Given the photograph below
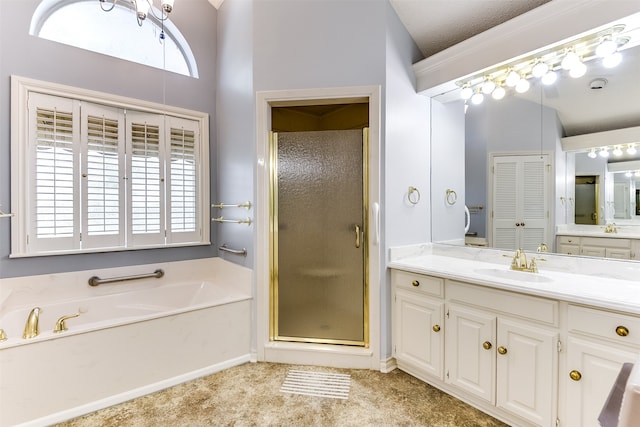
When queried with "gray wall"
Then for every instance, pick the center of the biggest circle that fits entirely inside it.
(290, 44)
(28, 56)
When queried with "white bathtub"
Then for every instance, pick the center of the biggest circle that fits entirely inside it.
(131, 338)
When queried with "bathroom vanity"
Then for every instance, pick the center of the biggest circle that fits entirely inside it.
(620, 242)
(532, 349)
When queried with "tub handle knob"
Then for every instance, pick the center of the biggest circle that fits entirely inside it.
(61, 326)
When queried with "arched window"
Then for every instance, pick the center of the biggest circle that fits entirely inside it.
(83, 24)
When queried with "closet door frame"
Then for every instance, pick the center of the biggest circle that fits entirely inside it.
(549, 195)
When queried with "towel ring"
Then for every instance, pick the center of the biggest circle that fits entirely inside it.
(451, 197)
(413, 195)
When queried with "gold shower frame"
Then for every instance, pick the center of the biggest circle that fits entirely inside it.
(273, 248)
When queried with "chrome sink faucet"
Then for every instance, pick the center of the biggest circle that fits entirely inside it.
(31, 327)
(519, 262)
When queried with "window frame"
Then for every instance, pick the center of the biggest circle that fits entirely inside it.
(46, 8)
(21, 157)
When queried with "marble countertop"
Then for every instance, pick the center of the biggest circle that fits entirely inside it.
(606, 284)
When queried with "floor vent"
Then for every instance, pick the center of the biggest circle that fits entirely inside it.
(319, 384)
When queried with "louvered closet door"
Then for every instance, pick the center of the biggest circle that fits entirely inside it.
(520, 201)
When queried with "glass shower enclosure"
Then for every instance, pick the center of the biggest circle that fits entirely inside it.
(318, 239)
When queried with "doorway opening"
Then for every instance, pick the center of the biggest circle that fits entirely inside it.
(587, 191)
(318, 217)
(275, 113)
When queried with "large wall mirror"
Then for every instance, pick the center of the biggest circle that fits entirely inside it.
(546, 144)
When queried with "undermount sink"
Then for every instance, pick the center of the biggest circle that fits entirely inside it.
(521, 276)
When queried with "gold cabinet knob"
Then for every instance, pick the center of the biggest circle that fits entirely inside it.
(436, 328)
(486, 345)
(415, 283)
(502, 350)
(575, 375)
(623, 331)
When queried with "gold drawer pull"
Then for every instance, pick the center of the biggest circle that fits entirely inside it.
(436, 328)
(486, 345)
(415, 283)
(502, 350)
(575, 375)
(622, 331)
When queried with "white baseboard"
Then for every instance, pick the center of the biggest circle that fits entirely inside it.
(387, 365)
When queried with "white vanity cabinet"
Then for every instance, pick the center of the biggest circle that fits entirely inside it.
(418, 323)
(598, 343)
(502, 347)
(605, 247)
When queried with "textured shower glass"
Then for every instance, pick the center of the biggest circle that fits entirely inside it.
(321, 288)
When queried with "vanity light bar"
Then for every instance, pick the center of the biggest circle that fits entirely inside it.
(570, 56)
(617, 150)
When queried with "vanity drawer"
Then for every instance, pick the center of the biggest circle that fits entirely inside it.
(568, 240)
(511, 303)
(606, 242)
(418, 282)
(621, 328)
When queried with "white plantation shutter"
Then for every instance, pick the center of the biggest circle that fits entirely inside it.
(94, 177)
(146, 164)
(102, 172)
(53, 136)
(183, 177)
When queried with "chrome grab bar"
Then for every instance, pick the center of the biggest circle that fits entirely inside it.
(224, 248)
(95, 280)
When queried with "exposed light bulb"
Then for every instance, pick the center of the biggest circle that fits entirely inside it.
(539, 70)
(604, 152)
(167, 5)
(617, 151)
(606, 48)
(488, 86)
(549, 78)
(512, 79)
(477, 98)
(142, 8)
(578, 70)
(466, 92)
(569, 60)
(612, 60)
(631, 149)
(523, 86)
(498, 93)
(592, 154)
(628, 174)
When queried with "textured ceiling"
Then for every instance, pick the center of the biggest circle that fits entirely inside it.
(438, 24)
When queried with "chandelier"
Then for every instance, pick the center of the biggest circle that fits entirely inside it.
(142, 8)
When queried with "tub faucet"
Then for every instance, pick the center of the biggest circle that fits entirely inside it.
(31, 327)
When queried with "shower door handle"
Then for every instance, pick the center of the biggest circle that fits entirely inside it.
(357, 236)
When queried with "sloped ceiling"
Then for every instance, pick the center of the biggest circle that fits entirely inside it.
(438, 24)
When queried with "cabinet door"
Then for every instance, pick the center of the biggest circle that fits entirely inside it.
(526, 366)
(618, 253)
(417, 332)
(595, 367)
(593, 251)
(470, 337)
